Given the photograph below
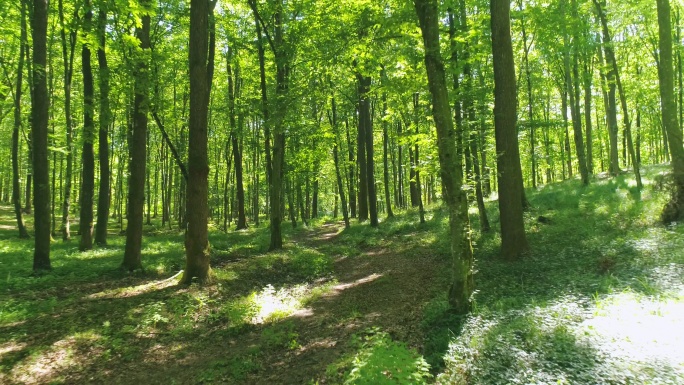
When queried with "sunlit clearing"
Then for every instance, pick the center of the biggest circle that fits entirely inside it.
(272, 304)
(132, 291)
(639, 331)
(620, 338)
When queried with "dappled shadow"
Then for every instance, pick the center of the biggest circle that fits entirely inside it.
(110, 327)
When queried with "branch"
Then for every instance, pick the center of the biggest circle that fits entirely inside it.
(252, 4)
(179, 162)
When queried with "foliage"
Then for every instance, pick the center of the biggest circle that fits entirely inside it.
(380, 360)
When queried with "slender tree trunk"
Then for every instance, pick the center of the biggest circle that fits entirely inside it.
(567, 157)
(16, 189)
(610, 79)
(233, 94)
(350, 165)
(196, 238)
(138, 155)
(87, 152)
(416, 159)
(587, 115)
(572, 86)
(338, 172)
(451, 164)
(530, 101)
(104, 193)
(385, 158)
(674, 209)
(68, 58)
(366, 122)
(39, 118)
(513, 238)
(612, 62)
(361, 160)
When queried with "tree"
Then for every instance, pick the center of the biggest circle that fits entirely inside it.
(196, 239)
(105, 116)
(39, 133)
(68, 60)
(16, 191)
(450, 163)
(138, 148)
(87, 153)
(674, 209)
(234, 90)
(612, 63)
(513, 239)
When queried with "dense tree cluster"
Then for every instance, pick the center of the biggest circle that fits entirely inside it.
(229, 113)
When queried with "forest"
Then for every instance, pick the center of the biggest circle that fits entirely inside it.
(341, 192)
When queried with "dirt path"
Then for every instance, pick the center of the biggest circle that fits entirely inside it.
(378, 288)
(383, 287)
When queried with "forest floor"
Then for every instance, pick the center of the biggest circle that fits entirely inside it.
(599, 299)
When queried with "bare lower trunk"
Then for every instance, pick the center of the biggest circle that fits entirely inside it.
(39, 118)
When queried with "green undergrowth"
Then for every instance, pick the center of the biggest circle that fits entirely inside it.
(377, 359)
(599, 299)
(581, 307)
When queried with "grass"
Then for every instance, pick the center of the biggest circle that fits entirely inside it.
(600, 299)
(581, 307)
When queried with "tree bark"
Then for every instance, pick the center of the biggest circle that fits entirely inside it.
(87, 152)
(16, 189)
(336, 157)
(138, 153)
(104, 193)
(385, 157)
(196, 238)
(366, 122)
(674, 209)
(513, 239)
(530, 101)
(450, 163)
(572, 87)
(610, 79)
(68, 58)
(361, 159)
(39, 116)
(612, 62)
(233, 94)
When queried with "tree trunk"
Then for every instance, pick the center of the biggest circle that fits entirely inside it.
(674, 209)
(68, 58)
(572, 86)
(513, 238)
(587, 115)
(450, 163)
(16, 189)
(385, 158)
(87, 153)
(336, 157)
(103, 199)
(278, 170)
(233, 93)
(611, 107)
(366, 121)
(350, 165)
(138, 155)
(612, 62)
(530, 101)
(196, 238)
(361, 159)
(416, 159)
(39, 119)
